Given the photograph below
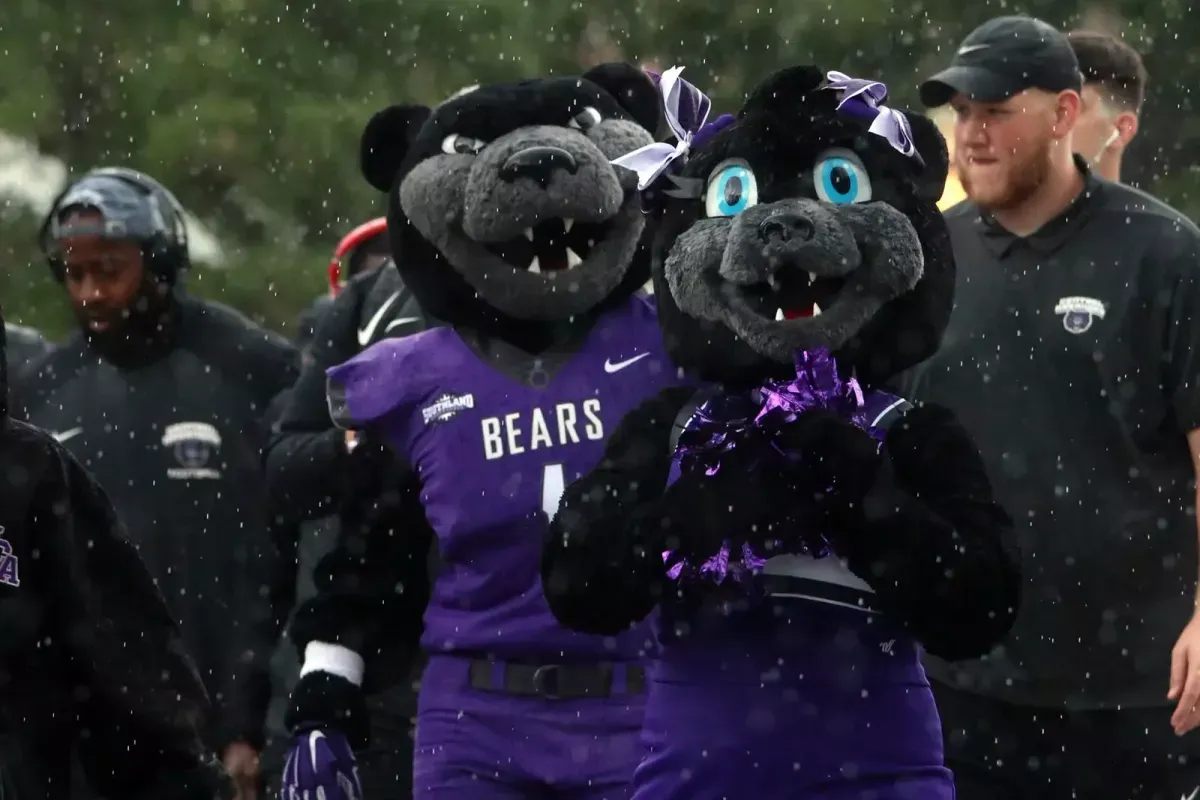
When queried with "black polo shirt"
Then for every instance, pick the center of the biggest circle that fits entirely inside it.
(1073, 357)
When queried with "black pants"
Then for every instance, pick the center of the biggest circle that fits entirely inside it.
(1006, 752)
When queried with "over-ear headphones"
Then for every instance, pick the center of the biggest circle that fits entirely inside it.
(366, 231)
(162, 234)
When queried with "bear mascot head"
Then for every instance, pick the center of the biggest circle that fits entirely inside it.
(511, 218)
(800, 265)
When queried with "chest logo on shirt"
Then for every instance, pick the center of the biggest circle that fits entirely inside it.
(194, 445)
(1079, 313)
(537, 429)
(10, 565)
(447, 407)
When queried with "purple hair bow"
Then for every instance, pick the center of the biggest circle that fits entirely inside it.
(686, 109)
(863, 100)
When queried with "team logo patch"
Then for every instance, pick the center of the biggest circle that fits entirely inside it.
(1079, 313)
(10, 565)
(447, 406)
(194, 444)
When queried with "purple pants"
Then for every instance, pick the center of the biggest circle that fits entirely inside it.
(836, 707)
(479, 745)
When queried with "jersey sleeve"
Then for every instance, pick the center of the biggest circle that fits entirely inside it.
(374, 385)
(144, 707)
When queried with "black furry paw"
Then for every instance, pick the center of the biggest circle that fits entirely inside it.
(325, 700)
(832, 458)
(746, 499)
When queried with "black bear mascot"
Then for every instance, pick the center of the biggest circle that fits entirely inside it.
(800, 533)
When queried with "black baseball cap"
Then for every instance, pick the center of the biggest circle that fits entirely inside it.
(1005, 56)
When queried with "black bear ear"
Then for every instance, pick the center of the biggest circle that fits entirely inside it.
(386, 141)
(797, 90)
(931, 181)
(632, 88)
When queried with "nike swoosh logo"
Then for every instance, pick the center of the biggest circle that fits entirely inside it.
(365, 334)
(610, 367)
(313, 738)
(63, 436)
(1195, 793)
(401, 321)
(971, 48)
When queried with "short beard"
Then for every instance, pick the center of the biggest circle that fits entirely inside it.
(1024, 180)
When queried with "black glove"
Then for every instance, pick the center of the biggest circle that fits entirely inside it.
(322, 700)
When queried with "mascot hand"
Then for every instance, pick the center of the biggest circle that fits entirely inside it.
(327, 702)
(320, 766)
(699, 512)
(835, 459)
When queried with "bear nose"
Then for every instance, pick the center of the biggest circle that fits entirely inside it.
(538, 164)
(785, 227)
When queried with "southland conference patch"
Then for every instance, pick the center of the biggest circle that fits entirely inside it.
(1079, 313)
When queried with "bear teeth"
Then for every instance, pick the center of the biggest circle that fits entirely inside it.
(816, 310)
(567, 223)
(779, 317)
(573, 259)
(529, 235)
(534, 266)
(811, 279)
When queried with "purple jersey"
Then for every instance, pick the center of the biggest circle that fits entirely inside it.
(494, 448)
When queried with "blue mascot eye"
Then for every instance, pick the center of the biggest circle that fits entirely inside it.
(731, 190)
(841, 181)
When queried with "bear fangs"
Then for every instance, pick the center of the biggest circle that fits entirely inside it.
(781, 317)
(573, 260)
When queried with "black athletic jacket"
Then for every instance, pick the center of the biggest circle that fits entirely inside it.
(176, 439)
(307, 454)
(89, 654)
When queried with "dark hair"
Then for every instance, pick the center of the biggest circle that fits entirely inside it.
(375, 246)
(1107, 60)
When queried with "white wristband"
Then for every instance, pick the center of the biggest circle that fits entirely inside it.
(334, 659)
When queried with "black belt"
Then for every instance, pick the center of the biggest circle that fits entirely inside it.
(553, 681)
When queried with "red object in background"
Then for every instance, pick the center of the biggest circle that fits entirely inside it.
(368, 230)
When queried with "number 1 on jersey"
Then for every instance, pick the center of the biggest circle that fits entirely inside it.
(554, 483)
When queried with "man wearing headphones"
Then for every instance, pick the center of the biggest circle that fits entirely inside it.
(166, 398)
(1114, 88)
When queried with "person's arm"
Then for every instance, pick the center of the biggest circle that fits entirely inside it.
(1180, 336)
(307, 454)
(372, 590)
(602, 567)
(141, 704)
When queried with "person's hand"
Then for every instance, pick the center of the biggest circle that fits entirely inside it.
(1185, 678)
(241, 761)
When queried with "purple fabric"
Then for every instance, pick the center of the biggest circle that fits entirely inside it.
(686, 110)
(863, 100)
(320, 766)
(479, 745)
(494, 454)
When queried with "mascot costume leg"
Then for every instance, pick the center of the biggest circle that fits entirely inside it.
(523, 238)
(802, 532)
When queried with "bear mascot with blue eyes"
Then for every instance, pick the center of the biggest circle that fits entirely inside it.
(799, 533)
(525, 245)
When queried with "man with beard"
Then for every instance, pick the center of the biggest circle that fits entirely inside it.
(164, 397)
(1072, 357)
(1114, 88)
